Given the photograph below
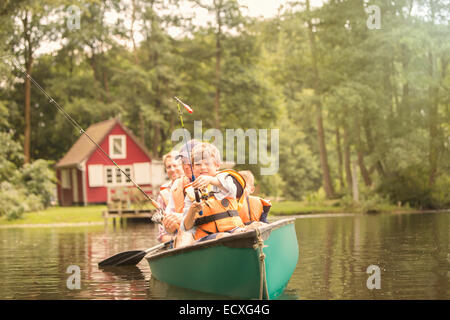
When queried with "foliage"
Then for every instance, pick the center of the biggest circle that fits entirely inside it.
(10, 156)
(39, 180)
(440, 194)
(12, 204)
(26, 188)
(377, 98)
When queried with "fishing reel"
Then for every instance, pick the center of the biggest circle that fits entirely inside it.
(201, 194)
(158, 216)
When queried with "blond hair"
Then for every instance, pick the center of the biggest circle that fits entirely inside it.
(205, 150)
(248, 177)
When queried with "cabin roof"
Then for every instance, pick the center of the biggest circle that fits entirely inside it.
(83, 147)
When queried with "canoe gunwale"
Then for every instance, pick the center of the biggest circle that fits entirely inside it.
(239, 240)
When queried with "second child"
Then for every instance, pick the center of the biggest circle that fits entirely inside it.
(217, 215)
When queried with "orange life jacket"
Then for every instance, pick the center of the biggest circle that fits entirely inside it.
(254, 209)
(178, 193)
(223, 215)
(164, 191)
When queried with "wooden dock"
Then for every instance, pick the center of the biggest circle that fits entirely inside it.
(127, 213)
(126, 202)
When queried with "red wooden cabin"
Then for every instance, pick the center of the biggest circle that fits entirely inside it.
(87, 176)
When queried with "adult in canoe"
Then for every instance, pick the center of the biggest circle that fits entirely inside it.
(172, 165)
(173, 212)
(174, 170)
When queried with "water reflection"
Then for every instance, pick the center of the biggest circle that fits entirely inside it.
(411, 250)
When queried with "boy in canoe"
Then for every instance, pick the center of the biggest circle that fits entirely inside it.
(216, 215)
(253, 208)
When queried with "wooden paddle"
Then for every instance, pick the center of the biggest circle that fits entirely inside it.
(128, 258)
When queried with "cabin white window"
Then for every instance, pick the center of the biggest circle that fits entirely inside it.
(65, 179)
(115, 177)
(95, 174)
(109, 175)
(117, 146)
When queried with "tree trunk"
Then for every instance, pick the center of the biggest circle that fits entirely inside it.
(218, 71)
(433, 148)
(156, 139)
(405, 103)
(360, 153)
(28, 55)
(340, 160)
(27, 114)
(364, 172)
(347, 160)
(106, 85)
(371, 145)
(133, 20)
(355, 188)
(142, 130)
(326, 177)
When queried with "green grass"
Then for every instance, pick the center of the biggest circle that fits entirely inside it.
(328, 206)
(94, 213)
(59, 215)
(300, 207)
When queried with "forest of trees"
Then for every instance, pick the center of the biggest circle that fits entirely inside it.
(353, 103)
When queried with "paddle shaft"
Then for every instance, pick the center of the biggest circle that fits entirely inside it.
(132, 257)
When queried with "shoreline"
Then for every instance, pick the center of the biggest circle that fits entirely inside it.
(52, 225)
(360, 213)
(271, 217)
(353, 214)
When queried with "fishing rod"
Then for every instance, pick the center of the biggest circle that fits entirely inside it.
(180, 113)
(82, 131)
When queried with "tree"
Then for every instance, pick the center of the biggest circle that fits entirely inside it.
(227, 17)
(30, 31)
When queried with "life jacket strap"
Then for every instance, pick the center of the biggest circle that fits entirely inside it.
(217, 216)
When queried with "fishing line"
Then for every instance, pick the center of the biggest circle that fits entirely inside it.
(82, 131)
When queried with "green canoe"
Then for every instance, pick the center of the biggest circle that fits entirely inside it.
(234, 266)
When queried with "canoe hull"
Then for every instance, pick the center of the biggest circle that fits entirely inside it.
(231, 266)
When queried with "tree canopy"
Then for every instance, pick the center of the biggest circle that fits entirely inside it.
(345, 93)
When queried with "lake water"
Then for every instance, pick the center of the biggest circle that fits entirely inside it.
(411, 251)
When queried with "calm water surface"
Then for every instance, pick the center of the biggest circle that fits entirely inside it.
(412, 251)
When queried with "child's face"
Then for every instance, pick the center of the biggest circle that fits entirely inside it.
(206, 167)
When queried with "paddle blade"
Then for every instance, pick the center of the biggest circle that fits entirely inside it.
(126, 258)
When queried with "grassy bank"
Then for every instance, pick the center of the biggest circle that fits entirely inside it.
(59, 215)
(332, 206)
